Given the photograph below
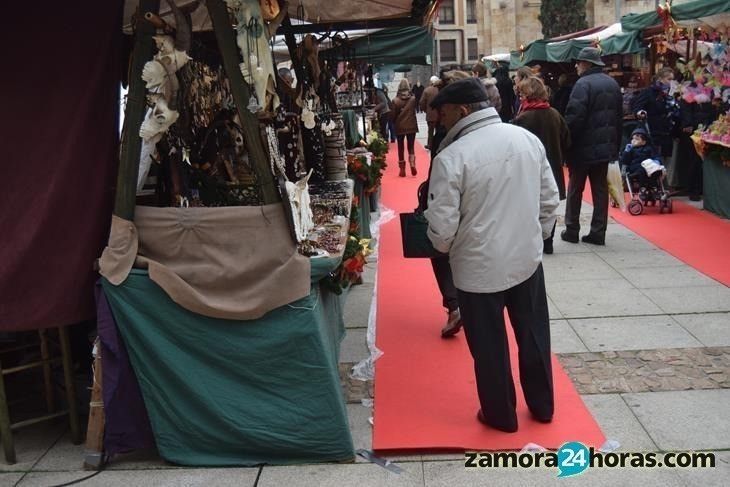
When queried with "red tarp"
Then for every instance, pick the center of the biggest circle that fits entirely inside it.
(59, 98)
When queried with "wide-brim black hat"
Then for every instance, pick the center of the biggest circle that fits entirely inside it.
(461, 92)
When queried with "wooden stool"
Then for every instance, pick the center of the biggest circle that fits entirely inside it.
(6, 427)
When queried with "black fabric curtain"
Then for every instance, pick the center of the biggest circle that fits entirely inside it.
(59, 111)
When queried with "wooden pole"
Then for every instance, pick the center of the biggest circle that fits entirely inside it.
(68, 378)
(6, 432)
(142, 52)
(47, 376)
(291, 44)
(241, 93)
(95, 428)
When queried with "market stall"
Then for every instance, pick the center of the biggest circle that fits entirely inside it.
(228, 293)
(698, 35)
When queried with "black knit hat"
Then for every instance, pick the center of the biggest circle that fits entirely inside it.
(461, 92)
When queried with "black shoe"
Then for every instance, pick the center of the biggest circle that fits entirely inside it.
(593, 239)
(568, 237)
(547, 246)
(506, 429)
(542, 419)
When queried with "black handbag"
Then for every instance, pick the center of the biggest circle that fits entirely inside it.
(416, 243)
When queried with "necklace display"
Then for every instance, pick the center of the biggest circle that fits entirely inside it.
(278, 165)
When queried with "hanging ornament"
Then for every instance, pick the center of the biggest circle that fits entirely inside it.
(665, 15)
(253, 103)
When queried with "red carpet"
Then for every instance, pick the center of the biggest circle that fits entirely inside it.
(425, 392)
(696, 237)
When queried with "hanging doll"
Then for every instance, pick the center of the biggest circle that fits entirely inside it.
(161, 78)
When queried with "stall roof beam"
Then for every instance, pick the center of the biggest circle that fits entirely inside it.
(348, 25)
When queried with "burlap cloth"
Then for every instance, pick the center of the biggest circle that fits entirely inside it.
(232, 262)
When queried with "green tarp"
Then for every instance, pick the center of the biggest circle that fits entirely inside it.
(406, 45)
(567, 51)
(224, 393)
(680, 11)
(716, 182)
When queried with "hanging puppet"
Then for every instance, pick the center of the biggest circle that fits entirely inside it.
(161, 79)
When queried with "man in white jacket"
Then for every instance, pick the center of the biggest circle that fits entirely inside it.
(492, 201)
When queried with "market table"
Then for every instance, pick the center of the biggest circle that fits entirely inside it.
(716, 185)
(224, 392)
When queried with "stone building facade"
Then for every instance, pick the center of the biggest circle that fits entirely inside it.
(467, 29)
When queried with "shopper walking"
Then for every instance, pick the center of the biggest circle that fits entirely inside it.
(548, 125)
(432, 116)
(406, 126)
(594, 116)
(491, 217)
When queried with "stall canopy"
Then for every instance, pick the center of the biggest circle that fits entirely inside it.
(709, 12)
(612, 40)
(404, 45)
(318, 16)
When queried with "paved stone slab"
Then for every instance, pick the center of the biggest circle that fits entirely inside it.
(354, 346)
(560, 247)
(453, 473)
(709, 477)
(666, 277)
(619, 241)
(618, 422)
(597, 298)
(357, 305)
(576, 267)
(630, 259)
(698, 299)
(362, 433)
(563, 338)
(673, 369)
(31, 443)
(684, 420)
(553, 310)
(352, 475)
(203, 477)
(65, 456)
(712, 329)
(10, 478)
(632, 333)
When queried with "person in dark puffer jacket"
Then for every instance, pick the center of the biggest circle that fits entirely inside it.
(594, 116)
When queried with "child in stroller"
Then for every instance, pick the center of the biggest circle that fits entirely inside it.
(644, 176)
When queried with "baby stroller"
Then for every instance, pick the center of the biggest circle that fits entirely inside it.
(647, 191)
(643, 174)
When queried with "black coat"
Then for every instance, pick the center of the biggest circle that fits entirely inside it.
(548, 125)
(594, 116)
(633, 158)
(506, 94)
(658, 115)
(560, 99)
(695, 114)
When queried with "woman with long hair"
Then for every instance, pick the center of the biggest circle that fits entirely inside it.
(406, 126)
(537, 116)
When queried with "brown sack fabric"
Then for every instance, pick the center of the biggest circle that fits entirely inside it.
(230, 262)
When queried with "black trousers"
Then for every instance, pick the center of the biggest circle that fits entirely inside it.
(596, 173)
(445, 281)
(484, 326)
(411, 138)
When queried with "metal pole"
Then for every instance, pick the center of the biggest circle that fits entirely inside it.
(618, 10)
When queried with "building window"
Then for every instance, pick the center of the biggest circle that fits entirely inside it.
(446, 12)
(472, 48)
(471, 11)
(447, 50)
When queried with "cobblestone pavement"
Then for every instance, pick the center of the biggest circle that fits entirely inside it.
(676, 369)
